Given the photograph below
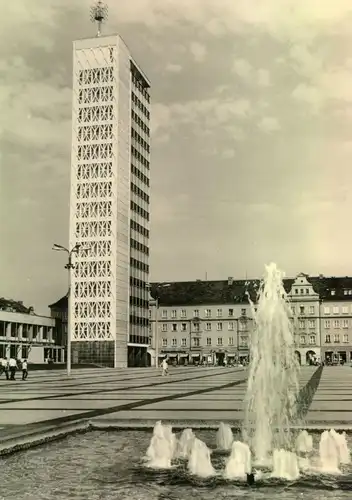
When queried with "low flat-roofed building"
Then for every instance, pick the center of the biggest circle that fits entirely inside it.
(26, 335)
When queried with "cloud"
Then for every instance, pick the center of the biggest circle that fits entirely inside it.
(173, 68)
(306, 62)
(161, 117)
(337, 83)
(227, 154)
(198, 51)
(242, 68)
(263, 77)
(203, 115)
(310, 95)
(263, 66)
(269, 124)
(291, 19)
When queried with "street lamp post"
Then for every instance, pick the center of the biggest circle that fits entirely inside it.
(69, 266)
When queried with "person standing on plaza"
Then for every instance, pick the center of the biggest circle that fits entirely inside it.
(164, 367)
(24, 369)
(12, 368)
(5, 367)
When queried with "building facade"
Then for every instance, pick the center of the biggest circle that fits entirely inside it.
(336, 320)
(25, 335)
(305, 306)
(59, 311)
(212, 320)
(197, 322)
(109, 204)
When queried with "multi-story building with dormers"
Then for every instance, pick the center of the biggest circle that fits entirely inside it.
(305, 305)
(201, 321)
(212, 320)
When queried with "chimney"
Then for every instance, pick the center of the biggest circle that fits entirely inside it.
(230, 280)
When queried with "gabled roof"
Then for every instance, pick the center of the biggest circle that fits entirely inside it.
(207, 292)
(60, 304)
(338, 285)
(9, 304)
(192, 293)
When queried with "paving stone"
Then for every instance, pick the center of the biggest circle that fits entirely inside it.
(142, 394)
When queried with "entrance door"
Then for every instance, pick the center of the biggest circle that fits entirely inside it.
(342, 357)
(220, 357)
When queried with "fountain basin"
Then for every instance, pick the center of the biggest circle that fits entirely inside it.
(109, 465)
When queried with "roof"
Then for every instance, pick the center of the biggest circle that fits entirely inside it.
(188, 293)
(13, 305)
(339, 285)
(192, 293)
(61, 303)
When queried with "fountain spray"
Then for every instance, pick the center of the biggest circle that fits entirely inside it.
(273, 385)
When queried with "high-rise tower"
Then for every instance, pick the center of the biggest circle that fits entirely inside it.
(109, 203)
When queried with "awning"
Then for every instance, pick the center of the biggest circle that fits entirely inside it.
(172, 355)
(195, 355)
(183, 355)
(231, 355)
(162, 355)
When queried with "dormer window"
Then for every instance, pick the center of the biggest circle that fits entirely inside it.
(296, 290)
(307, 291)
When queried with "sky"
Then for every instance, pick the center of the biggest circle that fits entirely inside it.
(251, 142)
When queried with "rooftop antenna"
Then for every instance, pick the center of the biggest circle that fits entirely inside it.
(99, 14)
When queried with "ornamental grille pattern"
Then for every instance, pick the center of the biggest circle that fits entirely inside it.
(93, 199)
(92, 330)
(94, 190)
(88, 289)
(94, 210)
(95, 171)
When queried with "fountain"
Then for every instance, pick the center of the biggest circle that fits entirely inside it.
(162, 447)
(285, 465)
(270, 409)
(341, 444)
(185, 443)
(199, 462)
(272, 388)
(329, 454)
(304, 443)
(224, 437)
(239, 463)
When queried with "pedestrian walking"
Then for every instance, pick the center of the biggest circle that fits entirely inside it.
(12, 368)
(164, 367)
(24, 369)
(5, 367)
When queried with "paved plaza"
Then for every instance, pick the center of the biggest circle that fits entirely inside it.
(187, 394)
